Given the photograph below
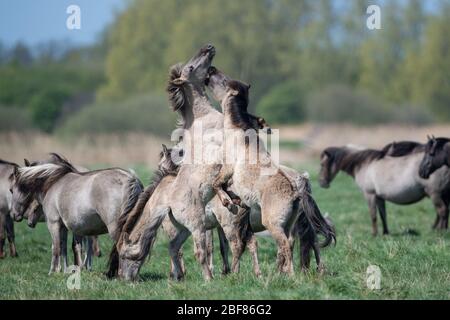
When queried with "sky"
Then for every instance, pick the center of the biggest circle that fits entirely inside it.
(37, 21)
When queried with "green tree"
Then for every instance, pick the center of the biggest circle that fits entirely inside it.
(431, 85)
(283, 104)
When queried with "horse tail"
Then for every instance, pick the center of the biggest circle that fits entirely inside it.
(318, 223)
(321, 225)
(134, 190)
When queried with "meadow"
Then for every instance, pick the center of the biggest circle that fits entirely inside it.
(414, 261)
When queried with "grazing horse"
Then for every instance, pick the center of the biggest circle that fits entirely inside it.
(390, 174)
(87, 203)
(275, 195)
(6, 221)
(437, 155)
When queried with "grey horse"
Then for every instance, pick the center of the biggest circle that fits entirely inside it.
(88, 204)
(390, 174)
(6, 221)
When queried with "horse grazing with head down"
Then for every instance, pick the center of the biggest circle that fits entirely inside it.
(390, 174)
(87, 203)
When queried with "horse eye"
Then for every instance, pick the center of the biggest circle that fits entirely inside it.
(191, 68)
(10, 190)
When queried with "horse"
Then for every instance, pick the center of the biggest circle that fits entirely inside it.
(390, 174)
(437, 155)
(87, 203)
(6, 221)
(277, 196)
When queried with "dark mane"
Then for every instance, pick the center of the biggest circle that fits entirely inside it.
(402, 148)
(238, 104)
(9, 163)
(177, 94)
(127, 223)
(440, 142)
(350, 161)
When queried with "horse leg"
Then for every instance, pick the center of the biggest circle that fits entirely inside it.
(284, 254)
(63, 246)
(89, 252)
(210, 249)
(76, 245)
(200, 245)
(442, 211)
(10, 233)
(2, 232)
(252, 245)
(371, 201)
(96, 247)
(381, 204)
(178, 271)
(224, 248)
(55, 228)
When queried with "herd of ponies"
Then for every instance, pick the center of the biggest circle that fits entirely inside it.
(238, 198)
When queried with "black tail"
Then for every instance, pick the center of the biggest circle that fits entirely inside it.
(135, 188)
(320, 224)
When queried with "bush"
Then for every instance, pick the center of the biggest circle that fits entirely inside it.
(283, 104)
(342, 104)
(149, 113)
(46, 107)
(14, 119)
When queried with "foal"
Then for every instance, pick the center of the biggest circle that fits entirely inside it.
(88, 204)
(383, 177)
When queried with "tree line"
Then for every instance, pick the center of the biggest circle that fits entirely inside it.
(307, 60)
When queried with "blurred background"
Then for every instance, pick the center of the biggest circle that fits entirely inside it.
(97, 94)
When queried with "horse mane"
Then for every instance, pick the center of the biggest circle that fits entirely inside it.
(349, 160)
(402, 148)
(127, 223)
(238, 104)
(4, 162)
(177, 94)
(41, 177)
(440, 142)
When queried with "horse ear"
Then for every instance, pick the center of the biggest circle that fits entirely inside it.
(26, 162)
(234, 93)
(164, 148)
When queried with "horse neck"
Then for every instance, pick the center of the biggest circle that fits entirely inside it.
(199, 105)
(343, 163)
(236, 137)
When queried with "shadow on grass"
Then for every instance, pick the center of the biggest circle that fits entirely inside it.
(152, 276)
(406, 232)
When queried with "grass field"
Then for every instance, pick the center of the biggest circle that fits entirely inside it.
(414, 265)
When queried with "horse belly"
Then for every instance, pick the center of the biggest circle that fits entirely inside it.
(402, 194)
(87, 223)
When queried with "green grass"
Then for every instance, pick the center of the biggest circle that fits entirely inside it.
(413, 267)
